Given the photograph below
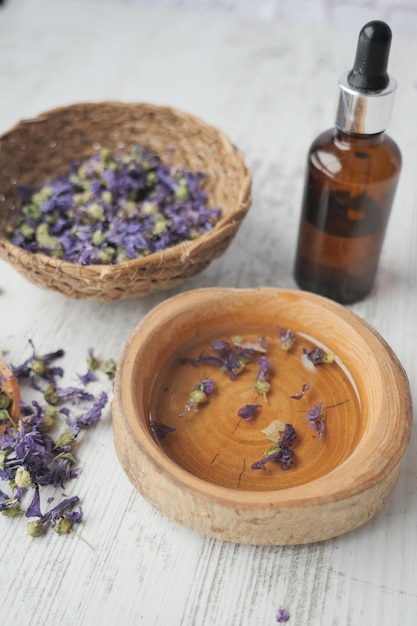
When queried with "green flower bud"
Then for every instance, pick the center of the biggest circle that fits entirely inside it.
(107, 197)
(43, 237)
(262, 387)
(96, 212)
(5, 401)
(181, 192)
(197, 396)
(43, 194)
(38, 367)
(49, 417)
(150, 208)
(98, 237)
(27, 231)
(34, 528)
(5, 416)
(12, 511)
(63, 526)
(65, 439)
(109, 367)
(93, 362)
(51, 395)
(32, 211)
(22, 478)
(3, 455)
(160, 225)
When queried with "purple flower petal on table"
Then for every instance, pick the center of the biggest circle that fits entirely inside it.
(91, 415)
(282, 615)
(88, 377)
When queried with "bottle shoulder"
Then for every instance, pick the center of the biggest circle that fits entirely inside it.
(333, 151)
(334, 140)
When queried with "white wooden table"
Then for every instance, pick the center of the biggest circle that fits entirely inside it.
(271, 88)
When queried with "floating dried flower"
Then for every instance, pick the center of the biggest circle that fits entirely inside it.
(261, 385)
(231, 358)
(160, 430)
(316, 418)
(304, 389)
(282, 452)
(317, 356)
(247, 411)
(286, 339)
(199, 394)
(258, 346)
(274, 430)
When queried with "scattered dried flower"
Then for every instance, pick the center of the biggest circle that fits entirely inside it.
(30, 457)
(282, 615)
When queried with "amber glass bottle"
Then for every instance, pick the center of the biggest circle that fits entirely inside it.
(352, 175)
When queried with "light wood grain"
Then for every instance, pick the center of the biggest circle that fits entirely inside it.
(270, 88)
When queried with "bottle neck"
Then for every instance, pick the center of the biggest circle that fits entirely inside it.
(364, 112)
(342, 138)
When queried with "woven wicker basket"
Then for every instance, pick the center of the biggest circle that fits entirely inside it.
(38, 149)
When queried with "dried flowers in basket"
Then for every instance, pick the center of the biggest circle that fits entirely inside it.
(45, 148)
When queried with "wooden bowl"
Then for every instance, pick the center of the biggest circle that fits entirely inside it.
(200, 475)
(39, 149)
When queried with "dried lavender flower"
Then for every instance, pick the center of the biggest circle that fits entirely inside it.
(317, 356)
(282, 452)
(30, 458)
(316, 419)
(231, 358)
(199, 394)
(248, 411)
(113, 207)
(160, 430)
(304, 389)
(261, 385)
(286, 339)
(282, 615)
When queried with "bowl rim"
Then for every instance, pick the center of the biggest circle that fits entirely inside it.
(376, 455)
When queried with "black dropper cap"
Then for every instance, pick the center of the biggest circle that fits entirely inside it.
(369, 71)
(367, 91)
